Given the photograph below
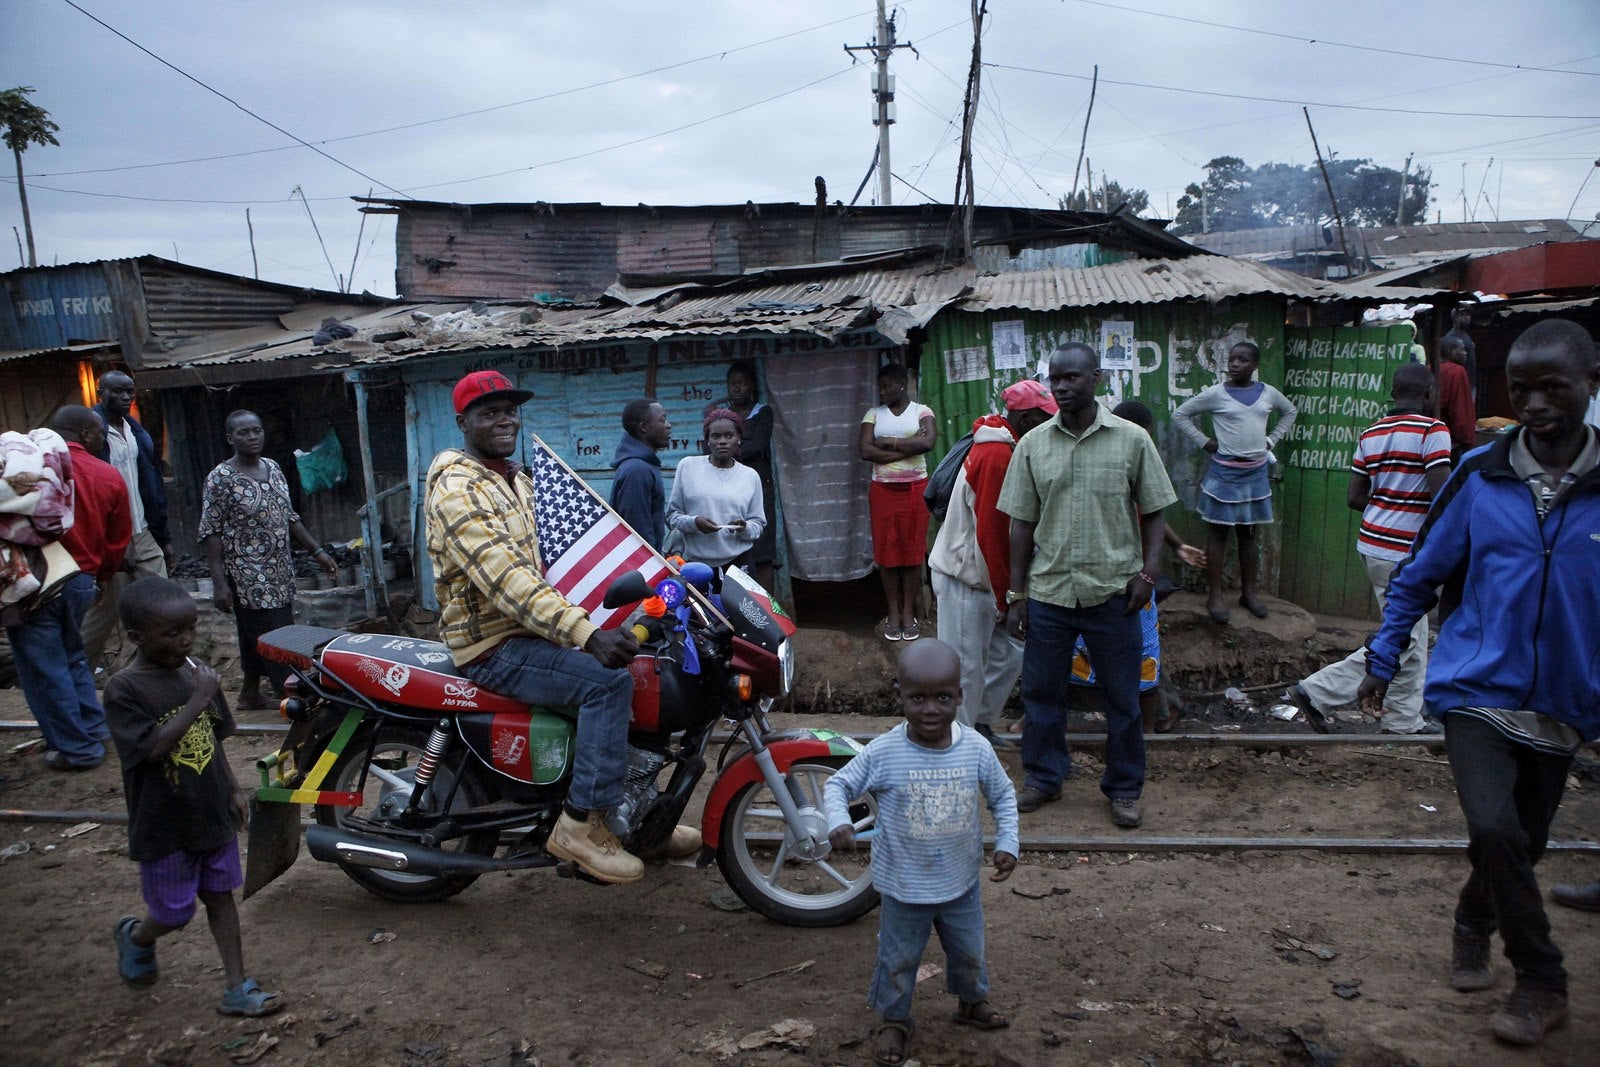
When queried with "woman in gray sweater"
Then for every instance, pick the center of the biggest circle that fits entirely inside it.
(716, 500)
(1235, 492)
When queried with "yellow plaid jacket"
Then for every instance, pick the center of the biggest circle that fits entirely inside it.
(485, 553)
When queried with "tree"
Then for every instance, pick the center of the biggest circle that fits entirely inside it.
(1236, 196)
(25, 124)
(1107, 196)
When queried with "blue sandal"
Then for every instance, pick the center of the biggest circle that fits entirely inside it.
(247, 998)
(135, 963)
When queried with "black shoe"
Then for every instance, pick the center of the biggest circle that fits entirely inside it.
(1322, 724)
(58, 762)
(1031, 798)
(985, 731)
(1582, 897)
(1469, 960)
(1527, 1014)
(1125, 812)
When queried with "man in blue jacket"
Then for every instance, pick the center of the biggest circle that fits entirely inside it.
(1514, 675)
(130, 449)
(639, 492)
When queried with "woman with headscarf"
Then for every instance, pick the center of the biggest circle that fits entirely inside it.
(716, 500)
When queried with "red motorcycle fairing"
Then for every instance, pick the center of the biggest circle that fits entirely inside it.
(742, 771)
(410, 672)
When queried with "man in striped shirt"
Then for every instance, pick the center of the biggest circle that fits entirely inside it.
(1401, 461)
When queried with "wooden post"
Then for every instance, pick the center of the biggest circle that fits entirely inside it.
(372, 527)
(1349, 269)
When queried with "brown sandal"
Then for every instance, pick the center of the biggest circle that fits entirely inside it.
(975, 1015)
(891, 1057)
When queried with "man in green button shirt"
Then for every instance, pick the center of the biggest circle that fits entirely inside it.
(1085, 492)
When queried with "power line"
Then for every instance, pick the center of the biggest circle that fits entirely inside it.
(1405, 53)
(1286, 100)
(468, 114)
(479, 177)
(638, 140)
(231, 100)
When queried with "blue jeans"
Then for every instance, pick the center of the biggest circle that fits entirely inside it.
(903, 934)
(1115, 646)
(54, 671)
(1509, 793)
(537, 672)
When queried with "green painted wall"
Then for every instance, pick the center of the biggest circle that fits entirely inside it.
(1338, 378)
(1180, 349)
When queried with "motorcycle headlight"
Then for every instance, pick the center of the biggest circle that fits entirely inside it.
(786, 663)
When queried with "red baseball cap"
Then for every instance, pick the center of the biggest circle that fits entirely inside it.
(483, 384)
(1027, 394)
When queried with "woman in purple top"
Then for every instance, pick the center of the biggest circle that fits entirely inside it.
(1235, 492)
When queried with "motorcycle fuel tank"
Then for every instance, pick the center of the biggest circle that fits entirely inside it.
(531, 746)
(409, 672)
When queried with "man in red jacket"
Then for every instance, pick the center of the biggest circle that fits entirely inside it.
(50, 659)
(971, 559)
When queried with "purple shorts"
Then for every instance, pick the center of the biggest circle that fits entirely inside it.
(171, 884)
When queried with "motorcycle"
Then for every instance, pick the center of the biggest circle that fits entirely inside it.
(422, 781)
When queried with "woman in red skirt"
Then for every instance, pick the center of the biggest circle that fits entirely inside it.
(895, 438)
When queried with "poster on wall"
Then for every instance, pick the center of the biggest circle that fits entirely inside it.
(966, 364)
(1010, 343)
(1116, 345)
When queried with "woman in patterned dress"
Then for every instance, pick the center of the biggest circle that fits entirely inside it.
(246, 520)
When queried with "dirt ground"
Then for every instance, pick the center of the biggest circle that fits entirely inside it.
(1126, 957)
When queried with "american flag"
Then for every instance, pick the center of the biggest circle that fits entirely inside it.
(586, 546)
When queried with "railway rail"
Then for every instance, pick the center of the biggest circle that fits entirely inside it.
(1121, 843)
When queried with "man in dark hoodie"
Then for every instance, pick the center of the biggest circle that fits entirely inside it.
(639, 492)
(129, 448)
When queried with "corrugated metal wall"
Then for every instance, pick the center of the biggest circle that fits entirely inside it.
(49, 308)
(1181, 349)
(1338, 378)
(450, 251)
(179, 305)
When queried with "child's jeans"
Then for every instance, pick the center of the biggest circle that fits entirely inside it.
(903, 934)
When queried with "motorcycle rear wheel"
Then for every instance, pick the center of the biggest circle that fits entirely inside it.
(757, 858)
(391, 771)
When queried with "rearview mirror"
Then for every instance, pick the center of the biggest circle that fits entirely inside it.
(629, 589)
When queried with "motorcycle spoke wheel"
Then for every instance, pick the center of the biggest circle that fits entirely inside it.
(390, 773)
(766, 866)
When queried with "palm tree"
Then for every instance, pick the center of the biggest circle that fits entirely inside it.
(25, 124)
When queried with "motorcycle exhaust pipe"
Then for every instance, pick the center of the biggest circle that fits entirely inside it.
(333, 845)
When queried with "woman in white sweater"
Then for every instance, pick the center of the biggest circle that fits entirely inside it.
(716, 500)
(1235, 492)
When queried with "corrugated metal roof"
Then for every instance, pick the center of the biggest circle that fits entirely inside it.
(1144, 281)
(1391, 245)
(6, 356)
(823, 300)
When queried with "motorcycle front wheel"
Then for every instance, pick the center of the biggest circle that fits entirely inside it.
(758, 857)
(391, 770)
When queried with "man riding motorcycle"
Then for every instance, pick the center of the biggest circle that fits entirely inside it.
(509, 631)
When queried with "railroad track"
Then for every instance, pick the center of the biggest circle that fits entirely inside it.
(1120, 843)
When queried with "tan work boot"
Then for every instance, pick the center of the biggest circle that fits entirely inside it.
(685, 841)
(593, 847)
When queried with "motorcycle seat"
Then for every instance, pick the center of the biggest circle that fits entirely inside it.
(410, 672)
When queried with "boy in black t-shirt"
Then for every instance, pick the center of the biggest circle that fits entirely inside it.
(168, 719)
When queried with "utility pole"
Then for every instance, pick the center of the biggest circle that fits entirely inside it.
(1348, 266)
(1400, 211)
(882, 47)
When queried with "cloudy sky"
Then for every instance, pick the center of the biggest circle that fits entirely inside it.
(723, 101)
